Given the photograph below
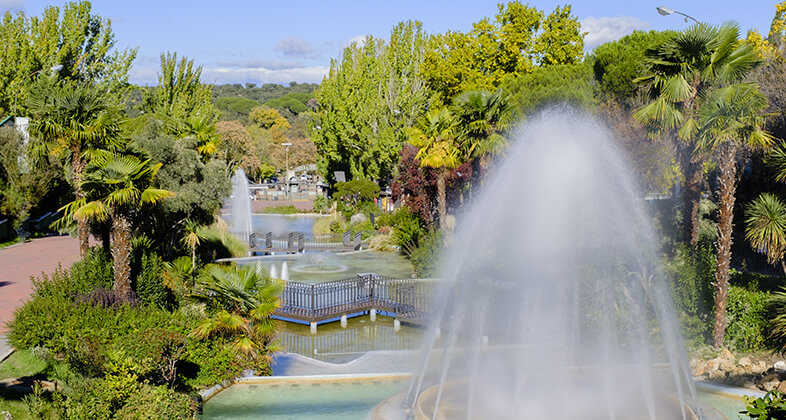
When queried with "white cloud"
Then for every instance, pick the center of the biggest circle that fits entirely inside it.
(605, 29)
(295, 48)
(268, 64)
(220, 75)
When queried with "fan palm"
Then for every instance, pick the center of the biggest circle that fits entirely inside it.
(70, 120)
(732, 119)
(682, 71)
(115, 183)
(244, 298)
(436, 134)
(765, 227)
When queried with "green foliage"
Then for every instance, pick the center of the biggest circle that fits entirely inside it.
(746, 316)
(235, 106)
(383, 243)
(261, 94)
(91, 272)
(218, 243)
(771, 406)
(334, 223)
(322, 204)
(512, 44)
(356, 191)
(150, 288)
(778, 321)
(427, 256)
(617, 64)
(289, 209)
(164, 402)
(77, 39)
(369, 99)
(691, 273)
(180, 94)
(565, 83)
(407, 230)
(293, 102)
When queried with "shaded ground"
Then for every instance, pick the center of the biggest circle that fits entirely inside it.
(19, 262)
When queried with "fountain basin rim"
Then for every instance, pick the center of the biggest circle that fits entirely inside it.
(727, 391)
(211, 392)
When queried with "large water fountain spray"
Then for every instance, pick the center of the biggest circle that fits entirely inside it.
(553, 304)
(240, 210)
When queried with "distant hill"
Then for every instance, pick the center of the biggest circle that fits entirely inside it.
(236, 100)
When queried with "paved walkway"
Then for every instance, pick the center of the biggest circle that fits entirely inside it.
(19, 262)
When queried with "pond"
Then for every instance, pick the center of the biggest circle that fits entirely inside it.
(328, 398)
(318, 267)
(280, 225)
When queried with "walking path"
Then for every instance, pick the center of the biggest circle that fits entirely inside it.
(19, 262)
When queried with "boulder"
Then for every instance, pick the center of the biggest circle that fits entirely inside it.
(718, 375)
(745, 362)
(726, 354)
(780, 365)
(357, 218)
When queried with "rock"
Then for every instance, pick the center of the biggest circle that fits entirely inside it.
(699, 368)
(782, 387)
(726, 354)
(718, 375)
(759, 367)
(721, 363)
(358, 218)
(780, 365)
(745, 362)
(768, 382)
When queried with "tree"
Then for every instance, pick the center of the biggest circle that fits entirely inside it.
(76, 39)
(70, 121)
(192, 239)
(183, 102)
(237, 147)
(243, 298)
(513, 44)
(570, 84)
(435, 135)
(367, 102)
(482, 117)
(116, 183)
(765, 227)
(356, 191)
(683, 70)
(731, 120)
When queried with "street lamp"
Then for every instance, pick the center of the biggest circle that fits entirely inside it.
(287, 172)
(665, 11)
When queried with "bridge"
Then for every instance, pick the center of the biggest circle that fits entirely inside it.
(296, 243)
(405, 299)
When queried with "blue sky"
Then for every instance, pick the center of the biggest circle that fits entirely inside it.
(282, 41)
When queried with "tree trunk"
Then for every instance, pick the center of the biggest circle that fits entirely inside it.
(442, 205)
(83, 231)
(121, 254)
(727, 180)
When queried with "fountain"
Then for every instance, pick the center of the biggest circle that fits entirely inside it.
(553, 303)
(240, 207)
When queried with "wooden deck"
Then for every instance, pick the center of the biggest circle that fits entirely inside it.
(406, 299)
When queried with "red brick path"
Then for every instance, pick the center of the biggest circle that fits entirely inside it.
(19, 262)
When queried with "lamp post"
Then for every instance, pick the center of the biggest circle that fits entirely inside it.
(665, 11)
(54, 69)
(287, 172)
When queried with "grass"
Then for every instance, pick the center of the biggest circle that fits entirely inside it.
(9, 243)
(290, 209)
(22, 363)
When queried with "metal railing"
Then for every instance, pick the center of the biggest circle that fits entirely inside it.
(406, 298)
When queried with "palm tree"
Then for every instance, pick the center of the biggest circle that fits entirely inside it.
(435, 134)
(71, 120)
(191, 239)
(244, 298)
(732, 119)
(765, 227)
(682, 71)
(116, 183)
(483, 116)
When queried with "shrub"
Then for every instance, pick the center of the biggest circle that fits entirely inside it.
(746, 317)
(408, 233)
(95, 270)
(426, 257)
(150, 288)
(382, 242)
(218, 243)
(691, 273)
(771, 405)
(330, 225)
(156, 402)
(322, 205)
